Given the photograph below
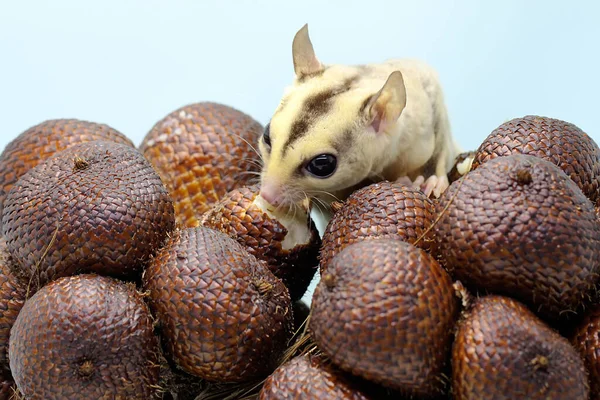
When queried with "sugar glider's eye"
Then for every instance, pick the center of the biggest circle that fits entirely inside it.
(267, 135)
(322, 166)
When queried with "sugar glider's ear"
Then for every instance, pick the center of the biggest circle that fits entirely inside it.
(305, 60)
(385, 106)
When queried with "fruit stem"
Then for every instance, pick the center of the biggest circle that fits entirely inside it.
(540, 362)
(328, 280)
(262, 286)
(524, 177)
(80, 164)
(86, 368)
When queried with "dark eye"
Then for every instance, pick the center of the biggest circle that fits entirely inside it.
(322, 166)
(267, 135)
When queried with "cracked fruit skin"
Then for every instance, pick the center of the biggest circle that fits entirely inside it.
(560, 142)
(94, 207)
(519, 226)
(503, 351)
(223, 316)
(45, 139)
(376, 297)
(202, 151)
(86, 337)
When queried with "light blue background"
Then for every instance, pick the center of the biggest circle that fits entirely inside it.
(129, 63)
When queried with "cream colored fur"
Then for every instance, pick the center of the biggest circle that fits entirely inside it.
(401, 148)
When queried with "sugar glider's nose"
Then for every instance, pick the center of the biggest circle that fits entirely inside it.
(271, 192)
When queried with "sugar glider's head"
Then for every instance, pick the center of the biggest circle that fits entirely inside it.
(329, 129)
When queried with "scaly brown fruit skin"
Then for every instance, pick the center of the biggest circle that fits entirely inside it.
(308, 377)
(12, 297)
(519, 226)
(202, 151)
(223, 315)
(385, 310)
(555, 140)
(94, 207)
(586, 339)
(263, 237)
(503, 351)
(380, 210)
(46, 139)
(86, 337)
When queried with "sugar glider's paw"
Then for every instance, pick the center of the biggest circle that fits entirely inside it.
(405, 180)
(418, 183)
(435, 185)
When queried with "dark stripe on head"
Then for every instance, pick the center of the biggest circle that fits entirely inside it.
(315, 107)
(299, 127)
(319, 104)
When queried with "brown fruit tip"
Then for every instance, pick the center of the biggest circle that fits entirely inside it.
(262, 286)
(524, 177)
(540, 362)
(328, 280)
(79, 164)
(86, 369)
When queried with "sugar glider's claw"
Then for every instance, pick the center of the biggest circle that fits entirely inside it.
(435, 185)
(441, 186)
(418, 182)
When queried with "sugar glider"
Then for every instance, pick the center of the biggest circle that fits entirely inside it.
(340, 127)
